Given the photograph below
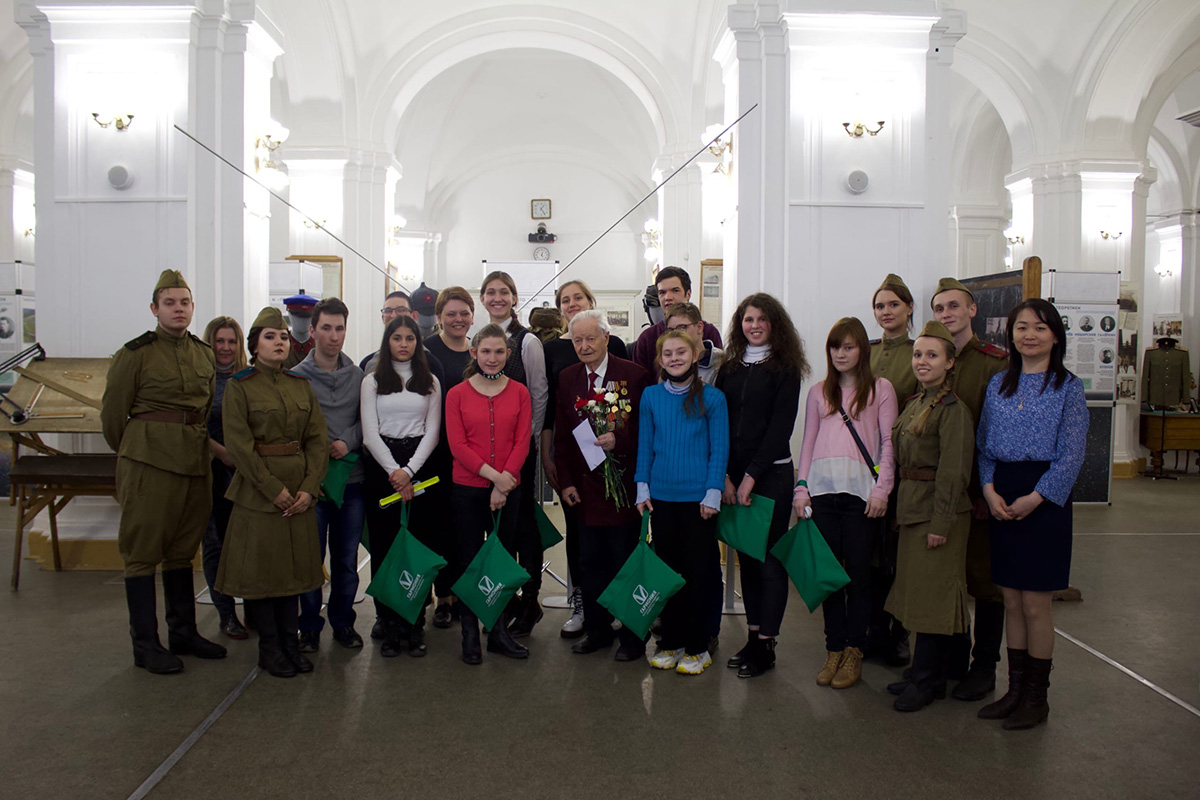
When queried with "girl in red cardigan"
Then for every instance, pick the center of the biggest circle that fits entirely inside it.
(489, 426)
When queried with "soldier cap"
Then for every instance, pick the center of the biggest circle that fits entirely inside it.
(946, 284)
(937, 330)
(170, 279)
(270, 317)
(891, 280)
(300, 304)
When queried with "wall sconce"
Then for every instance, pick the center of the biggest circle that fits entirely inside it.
(265, 145)
(1014, 237)
(721, 147)
(119, 121)
(1111, 235)
(315, 225)
(1163, 272)
(856, 129)
(652, 240)
(30, 232)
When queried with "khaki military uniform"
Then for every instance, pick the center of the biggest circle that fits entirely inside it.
(297, 351)
(1166, 377)
(892, 359)
(163, 465)
(973, 369)
(930, 591)
(267, 554)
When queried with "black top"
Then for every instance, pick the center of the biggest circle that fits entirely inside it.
(560, 354)
(454, 363)
(216, 426)
(762, 404)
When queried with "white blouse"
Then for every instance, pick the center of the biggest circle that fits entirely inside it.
(400, 415)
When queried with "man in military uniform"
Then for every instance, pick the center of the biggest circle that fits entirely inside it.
(977, 361)
(154, 414)
(299, 310)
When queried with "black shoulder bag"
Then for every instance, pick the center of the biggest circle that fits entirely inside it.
(862, 448)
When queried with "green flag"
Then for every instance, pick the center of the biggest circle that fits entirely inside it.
(812, 566)
(490, 580)
(745, 528)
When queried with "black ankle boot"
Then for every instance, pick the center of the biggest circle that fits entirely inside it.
(928, 683)
(529, 614)
(270, 652)
(287, 616)
(393, 642)
(1033, 707)
(501, 641)
(148, 652)
(182, 636)
(760, 659)
(737, 659)
(1006, 705)
(471, 651)
(416, 637)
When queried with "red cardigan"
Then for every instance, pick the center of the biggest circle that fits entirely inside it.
(488, 430)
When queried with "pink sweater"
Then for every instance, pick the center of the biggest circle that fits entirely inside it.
(830, 461)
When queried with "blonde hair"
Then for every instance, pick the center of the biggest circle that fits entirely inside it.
(918, 426)
(693, 404)
(210, 336)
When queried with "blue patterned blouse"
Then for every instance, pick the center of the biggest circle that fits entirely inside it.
(1035, 425)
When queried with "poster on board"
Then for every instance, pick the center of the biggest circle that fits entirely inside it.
(1092, 345)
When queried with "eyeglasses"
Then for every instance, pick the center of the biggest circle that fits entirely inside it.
(682, 327)
(391, 312)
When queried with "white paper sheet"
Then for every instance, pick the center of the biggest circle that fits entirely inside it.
(593, 453)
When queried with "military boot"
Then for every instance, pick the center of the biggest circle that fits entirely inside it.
(182, 636)
(148, 652)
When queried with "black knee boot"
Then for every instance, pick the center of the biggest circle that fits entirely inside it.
(270, 651)
(182, 636)
(1005, 706)
(501, 641)
(930, 662)
(989, 633)
(287, 617)
(471, 651)
(148, 652)
(1033, 707)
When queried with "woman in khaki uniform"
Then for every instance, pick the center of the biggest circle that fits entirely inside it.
(276, 434)
(933, 440)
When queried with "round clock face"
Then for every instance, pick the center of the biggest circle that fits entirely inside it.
(541, 254)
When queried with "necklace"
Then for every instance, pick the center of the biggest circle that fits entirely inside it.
(491, 377)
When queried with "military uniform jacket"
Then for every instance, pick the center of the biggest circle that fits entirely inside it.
(1166, 377)
(273, 406)
(946, 446)
(974, 367)
(892, 359)
(160, 372)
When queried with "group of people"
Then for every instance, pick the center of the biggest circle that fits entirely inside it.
(926, 474)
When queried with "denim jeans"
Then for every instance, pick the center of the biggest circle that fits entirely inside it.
(340, 530)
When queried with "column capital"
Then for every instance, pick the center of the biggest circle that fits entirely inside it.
(945, 35)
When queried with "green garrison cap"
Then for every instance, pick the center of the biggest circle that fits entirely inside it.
(270, 317)
(170, 279)
(937, 330)
(892, 279)
(946, 284)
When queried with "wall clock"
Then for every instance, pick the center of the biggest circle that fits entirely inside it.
(539, 209)
(541, 254)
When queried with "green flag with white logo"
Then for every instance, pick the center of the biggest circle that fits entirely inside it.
(642, 587)
(490, 580)
(404, 579)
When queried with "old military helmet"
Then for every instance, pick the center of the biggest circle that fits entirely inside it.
(169, 279)
(946, 284)
(270, 317)
(937, 330)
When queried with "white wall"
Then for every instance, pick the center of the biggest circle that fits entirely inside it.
(489, 219)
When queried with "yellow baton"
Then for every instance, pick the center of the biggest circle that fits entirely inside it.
(418, 489)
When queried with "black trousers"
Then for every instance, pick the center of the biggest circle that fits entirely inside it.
(528, 541)
(765, 583)
(604, 549)
(931, 658)
(384, 523)
(574, 567)
(214, 536)
(437, 497)
(688, 543)
(471, 516)
(851, 535)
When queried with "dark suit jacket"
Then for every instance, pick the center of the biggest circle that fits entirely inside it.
(597, 510)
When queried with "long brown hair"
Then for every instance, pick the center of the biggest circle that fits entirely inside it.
(693, 404)
(507, 280)
(918, 426)
(864, 388)
(583, 287)
(787, 349)
(210, 336)
(489, 331)
(901, 291)
(387, 380)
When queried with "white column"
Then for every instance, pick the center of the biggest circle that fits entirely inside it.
(980, 246)
(679, 211)
(367, 209)
(943, 38)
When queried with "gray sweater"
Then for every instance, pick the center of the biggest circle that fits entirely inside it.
(337, 392)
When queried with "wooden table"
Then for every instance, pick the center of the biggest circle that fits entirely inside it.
(73, 388)
(1168, 431)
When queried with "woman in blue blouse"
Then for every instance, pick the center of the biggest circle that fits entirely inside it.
(1031, 438)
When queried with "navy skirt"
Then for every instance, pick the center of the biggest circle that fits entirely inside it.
(1031, 554)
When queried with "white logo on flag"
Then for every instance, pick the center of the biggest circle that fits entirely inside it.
(406, 579)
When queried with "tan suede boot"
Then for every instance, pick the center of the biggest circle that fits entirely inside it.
(850, 670)
(832, 661)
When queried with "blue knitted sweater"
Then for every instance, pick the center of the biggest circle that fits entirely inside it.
(680, 456)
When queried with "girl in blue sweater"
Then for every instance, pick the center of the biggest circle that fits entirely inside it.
(683, 444)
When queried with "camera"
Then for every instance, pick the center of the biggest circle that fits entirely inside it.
(542, 236)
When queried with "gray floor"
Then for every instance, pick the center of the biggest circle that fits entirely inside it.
(79, 720)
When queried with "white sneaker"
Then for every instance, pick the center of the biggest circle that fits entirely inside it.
(694, 665)
(666, 659)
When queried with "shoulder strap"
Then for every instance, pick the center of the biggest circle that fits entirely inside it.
(141, 341)
(862, 448)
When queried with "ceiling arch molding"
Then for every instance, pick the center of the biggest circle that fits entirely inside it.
(556, 30)
(17, 79)
(441, 194)
(981, 154)
(1134, 76)
(1171, 188)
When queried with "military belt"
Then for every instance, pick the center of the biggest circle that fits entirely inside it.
(289, 449)
(918, 474)
(180, 417)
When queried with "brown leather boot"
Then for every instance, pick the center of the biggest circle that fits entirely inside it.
(1033, 708)
(832, 662)
(850, 670)
(1006, 705)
